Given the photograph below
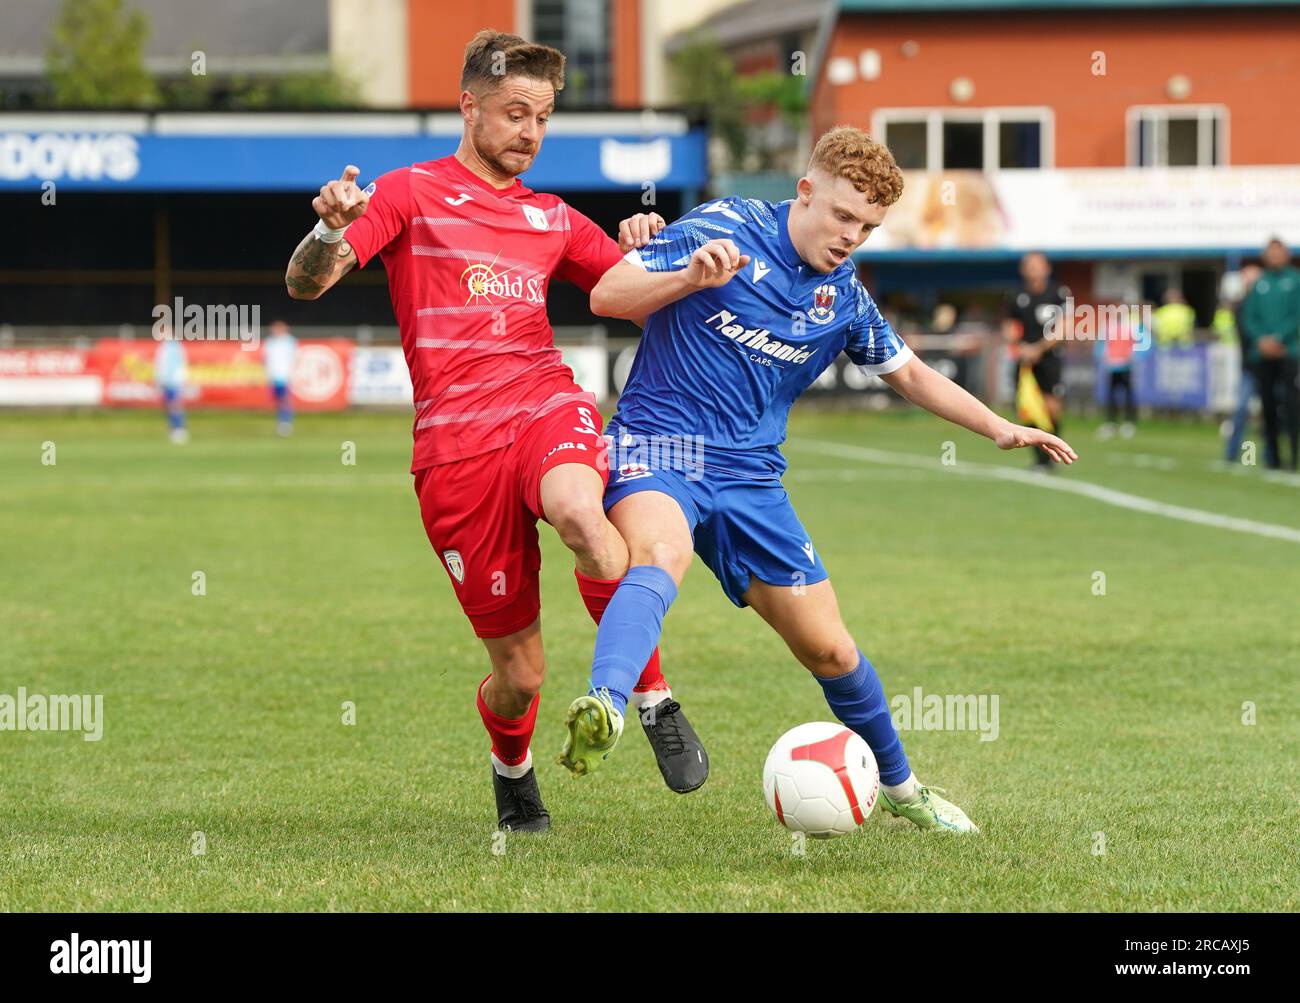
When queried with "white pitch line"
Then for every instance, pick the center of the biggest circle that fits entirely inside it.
(854, 475)
(1108, 496)
(1144, 460)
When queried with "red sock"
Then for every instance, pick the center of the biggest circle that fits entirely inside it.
(510, 737)
(596, 594)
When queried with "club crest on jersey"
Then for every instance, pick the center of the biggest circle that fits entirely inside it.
(823, 309)
(536, 217)
(632, 471)
(455, 565)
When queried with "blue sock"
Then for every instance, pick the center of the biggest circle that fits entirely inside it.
(283, 405)
(858, 700)
(175, 419)
(629, 630)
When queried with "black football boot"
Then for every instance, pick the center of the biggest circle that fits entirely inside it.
(678, 750)
(519, 804)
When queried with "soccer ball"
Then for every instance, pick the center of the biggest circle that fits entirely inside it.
(821, 779)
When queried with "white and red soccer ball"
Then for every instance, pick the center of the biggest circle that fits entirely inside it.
(821, 779)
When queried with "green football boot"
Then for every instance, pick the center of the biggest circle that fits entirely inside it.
(594, 729)
(926, 810)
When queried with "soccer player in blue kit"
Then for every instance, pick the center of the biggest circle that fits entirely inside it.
(745, 303)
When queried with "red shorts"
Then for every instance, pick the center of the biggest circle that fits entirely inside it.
(481, 514)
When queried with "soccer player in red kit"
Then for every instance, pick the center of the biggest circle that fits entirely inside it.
(503, 434)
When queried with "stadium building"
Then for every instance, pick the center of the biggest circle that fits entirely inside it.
(1137, 143)
(210, 206)
(122, 211)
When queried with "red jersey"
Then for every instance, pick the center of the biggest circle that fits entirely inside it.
(468, 270)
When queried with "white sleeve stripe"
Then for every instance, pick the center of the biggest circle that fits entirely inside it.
(633, 257)
(889, 365)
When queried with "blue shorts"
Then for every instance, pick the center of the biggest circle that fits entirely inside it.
(743, 527)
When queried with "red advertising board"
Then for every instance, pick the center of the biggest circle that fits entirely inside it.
(35, 376)
(224, 374)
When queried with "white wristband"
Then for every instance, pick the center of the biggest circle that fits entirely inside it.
(327, 235)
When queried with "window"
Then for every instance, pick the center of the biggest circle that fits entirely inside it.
(1177, 136)
(579, 29)
(979, 139)
(1020, 144)
(906, 140)
(963, 145)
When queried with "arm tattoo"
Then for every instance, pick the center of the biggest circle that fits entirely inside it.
(302, 285)
(313, 265)
(345, 257)
(314, 257)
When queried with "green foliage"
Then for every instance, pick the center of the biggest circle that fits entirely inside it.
(96, 60)
(705, 82)
(189, 92)
(782, 91)
(324, 89)
(293, 92)
(95, 57)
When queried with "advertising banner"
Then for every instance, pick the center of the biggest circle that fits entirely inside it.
(47, 376)
(1175, 378)
(223, 374)
(1091, 209)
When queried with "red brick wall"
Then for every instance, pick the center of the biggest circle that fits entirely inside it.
(625, 53)
(437, 33)
(1248, 60)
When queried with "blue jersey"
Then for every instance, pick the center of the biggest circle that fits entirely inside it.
(169, 364)
(723, 366)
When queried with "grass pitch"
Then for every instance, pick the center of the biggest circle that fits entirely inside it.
(1121, 715)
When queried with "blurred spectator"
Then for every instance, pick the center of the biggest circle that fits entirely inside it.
(278, 354)
(1270, 320)
(943, 319)
(975, 318)
(171, 372)
(1174, 321)
(1116, 341)
(1224, 323)
(1247, 386)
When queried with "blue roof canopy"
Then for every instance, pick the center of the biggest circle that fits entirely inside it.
(206, 152)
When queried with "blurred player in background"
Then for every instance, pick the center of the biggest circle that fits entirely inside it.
(1117, 339)
(1270, 319)
(278, 353)
(1028, 313)
(171, 371)
(503, 434)
(1247, 386)
(766, 297)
